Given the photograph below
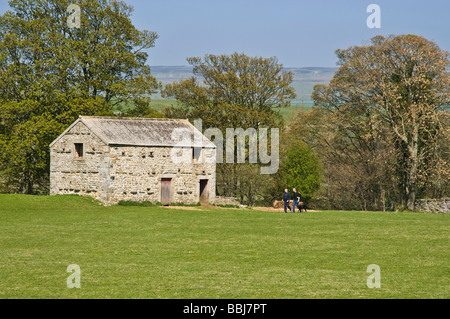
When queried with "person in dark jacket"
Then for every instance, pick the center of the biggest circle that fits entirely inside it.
(295, 200)
(286, 200)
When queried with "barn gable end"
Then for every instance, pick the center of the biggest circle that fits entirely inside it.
(74, 174)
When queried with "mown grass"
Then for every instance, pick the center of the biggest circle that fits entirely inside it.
(157, 252)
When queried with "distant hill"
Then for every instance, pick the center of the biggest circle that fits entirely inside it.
(304, 78)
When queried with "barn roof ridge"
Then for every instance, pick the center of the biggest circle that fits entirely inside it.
(129, 118)
(140, 131)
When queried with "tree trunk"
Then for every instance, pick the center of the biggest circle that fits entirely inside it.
(27, 186)
(410, 189)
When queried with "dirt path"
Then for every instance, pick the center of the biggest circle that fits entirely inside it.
(182, 207)
(264, 209)
(271, 209)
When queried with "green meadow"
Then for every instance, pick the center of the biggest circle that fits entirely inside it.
(208, 252)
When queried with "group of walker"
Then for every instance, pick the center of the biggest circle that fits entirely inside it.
(297, 197)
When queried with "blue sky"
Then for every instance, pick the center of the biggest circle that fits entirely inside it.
(300, 33)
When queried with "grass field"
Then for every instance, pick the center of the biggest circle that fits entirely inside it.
(157, 252)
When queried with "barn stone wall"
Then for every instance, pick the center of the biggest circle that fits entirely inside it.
(136, 174)
(114, 173)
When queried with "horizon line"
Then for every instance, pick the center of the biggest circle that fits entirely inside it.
(284, 67)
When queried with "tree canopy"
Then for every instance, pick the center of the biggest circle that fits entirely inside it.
(51, 72)
(234, 91)
(301, 169)
(399, 84)
(42, 56)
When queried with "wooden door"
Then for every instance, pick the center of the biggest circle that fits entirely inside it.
(204, 192)
(165, 191)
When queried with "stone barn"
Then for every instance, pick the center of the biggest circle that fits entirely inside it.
(135, 159)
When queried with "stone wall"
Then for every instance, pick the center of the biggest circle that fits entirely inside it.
(114, 173)
(433, 205)
(222, 200)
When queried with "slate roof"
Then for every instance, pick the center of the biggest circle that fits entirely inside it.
(142, 131)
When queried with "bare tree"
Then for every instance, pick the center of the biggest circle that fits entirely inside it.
(403, 83)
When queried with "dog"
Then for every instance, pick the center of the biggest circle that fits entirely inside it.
(301, 206)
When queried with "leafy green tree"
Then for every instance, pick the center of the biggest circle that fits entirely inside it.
(234, 91)
(51, 72)
(301, 169)
(28, 127)
(42, 56)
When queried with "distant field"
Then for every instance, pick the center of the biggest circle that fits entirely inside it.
(157, 104)
(157, 252)
(303, 81)
(288, 113)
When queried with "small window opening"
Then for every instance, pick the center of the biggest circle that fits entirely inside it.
(79, 149)
(196, 151)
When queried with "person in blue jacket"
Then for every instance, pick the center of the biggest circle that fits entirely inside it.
(296, 200)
